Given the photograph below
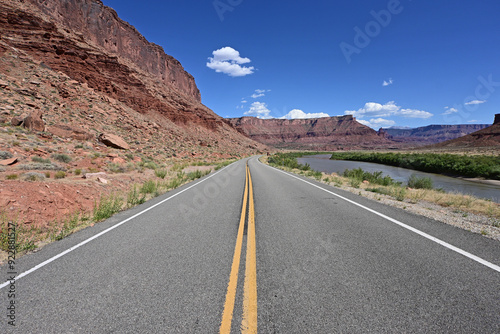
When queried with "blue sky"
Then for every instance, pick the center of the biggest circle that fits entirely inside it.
(404, 63)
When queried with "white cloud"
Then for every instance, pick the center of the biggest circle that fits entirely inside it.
(377, 123)
(387, 83)
(475, 102)
(258, 109)
(449, 111)
(260, 93)
(372, 109)
(244, 101)
(227, 60)
(414, 113)
(297, 113)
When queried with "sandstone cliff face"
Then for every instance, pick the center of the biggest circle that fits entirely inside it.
(328, 133)
(432, 134)
(87, 42)
(100, 25)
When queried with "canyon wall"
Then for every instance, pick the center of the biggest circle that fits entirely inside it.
(328, 133)
(99, 25)
(432, 134)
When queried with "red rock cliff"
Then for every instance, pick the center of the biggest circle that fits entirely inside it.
(100, 25)
(328, 133)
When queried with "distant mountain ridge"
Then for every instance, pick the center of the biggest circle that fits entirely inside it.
(487, 137)
(431, 134)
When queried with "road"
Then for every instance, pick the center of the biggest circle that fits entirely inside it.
(258, 251)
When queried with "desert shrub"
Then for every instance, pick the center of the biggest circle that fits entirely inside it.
(78, 171)
(60, 175)
(108, 206)
(41, 166)
(116, 168)
(161, 173)
(375, 177)
(40, 159)
(32, 176)
(417, 182)
(61, 157)
(149, 187)
(5, 155)
(12, 177)
(133, 197)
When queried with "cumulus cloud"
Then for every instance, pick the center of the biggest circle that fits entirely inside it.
(372, 109)
(297, 113)
(227, 60)
(376, 123)
(475, 102)
(258, 109)
(387, 83)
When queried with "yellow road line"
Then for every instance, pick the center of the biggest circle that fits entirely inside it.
(249, 321)
(227, 314)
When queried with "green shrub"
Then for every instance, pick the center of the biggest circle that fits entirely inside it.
(148, 187)
(108, 206)
(116, 168)
(61, 157)
(133, 197)
(161, 173)
(60, 175)
(78, 171)
(487, 166)
(417, 182)
(40, 159)
(32, 176)
(375, 177)
(12, 177)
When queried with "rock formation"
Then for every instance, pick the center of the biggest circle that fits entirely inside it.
(431, 134)
(101, 54)
(112, 140)
(487, 137)
(328, 133)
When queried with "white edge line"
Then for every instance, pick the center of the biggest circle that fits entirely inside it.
(52, 259)
(423, 234)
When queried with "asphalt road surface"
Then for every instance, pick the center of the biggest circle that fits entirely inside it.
(257, 250)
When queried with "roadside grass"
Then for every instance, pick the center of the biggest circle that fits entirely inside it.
(377, 183)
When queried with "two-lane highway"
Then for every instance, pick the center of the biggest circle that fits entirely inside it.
(256, 249)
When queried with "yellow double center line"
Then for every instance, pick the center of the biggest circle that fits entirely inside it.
(249, 319)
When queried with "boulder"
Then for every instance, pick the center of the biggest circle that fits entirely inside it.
(16, 121)
(113, 141)
(34, 121)
(66, 131)
(8, 162)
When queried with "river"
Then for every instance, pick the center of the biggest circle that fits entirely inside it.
(323, 163)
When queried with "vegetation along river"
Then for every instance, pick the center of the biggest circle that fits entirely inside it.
(323, 163)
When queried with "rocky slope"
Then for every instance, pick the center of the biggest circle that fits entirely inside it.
(86, 43)
(487, 137)
(328, 133)
(74, 99)
(431, 134)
